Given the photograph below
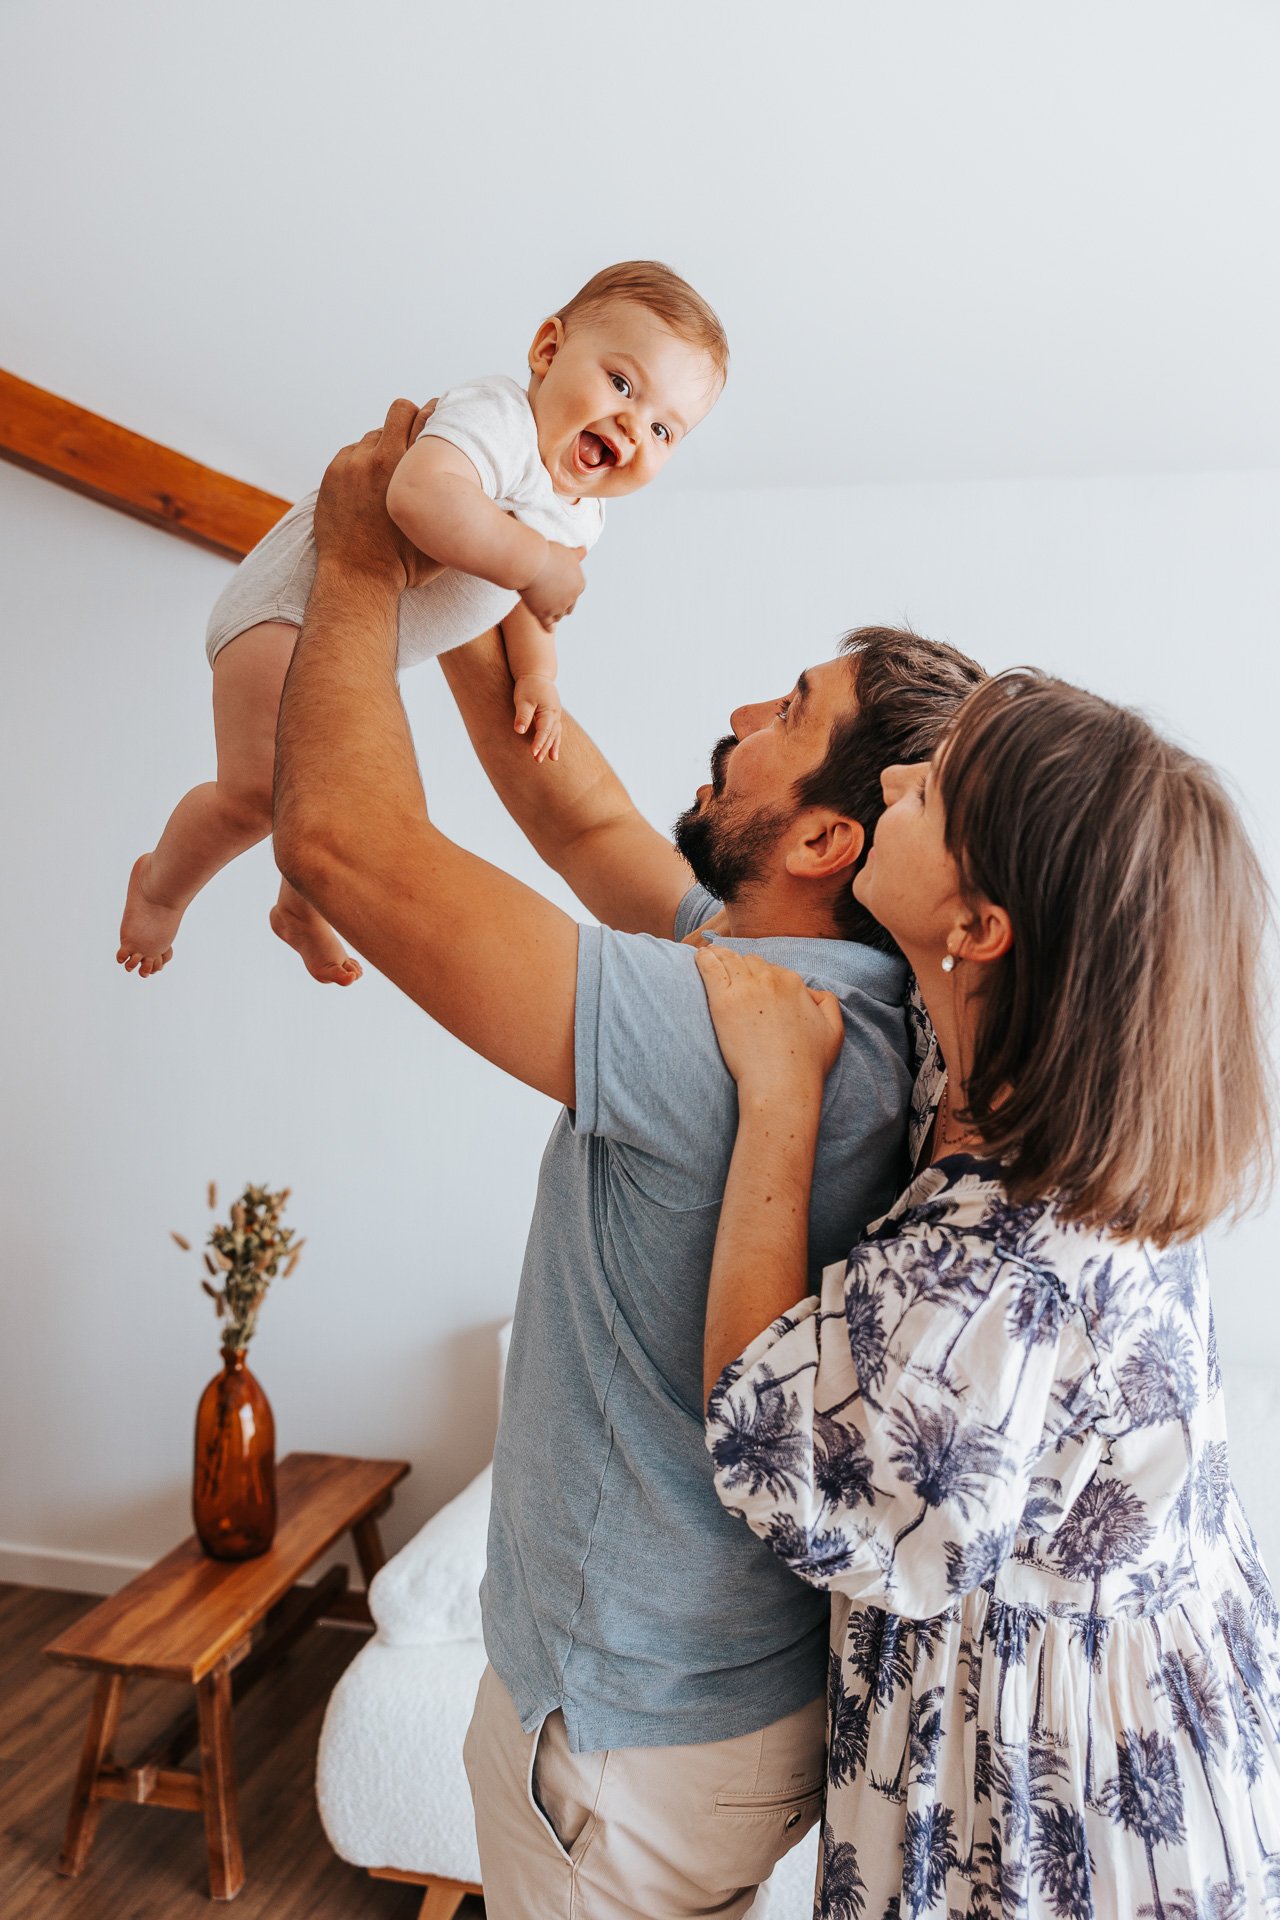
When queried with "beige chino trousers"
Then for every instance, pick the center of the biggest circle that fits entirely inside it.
(635, 1833)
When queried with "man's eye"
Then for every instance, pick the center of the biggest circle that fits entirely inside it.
(621, 385)
(784, 708)
(663, 433)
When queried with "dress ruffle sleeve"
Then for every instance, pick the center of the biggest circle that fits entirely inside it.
(891, 1439)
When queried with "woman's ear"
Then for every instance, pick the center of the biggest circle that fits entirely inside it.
(547, 342)
(984, 936)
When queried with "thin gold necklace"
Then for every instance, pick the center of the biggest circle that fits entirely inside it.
(944, 1116)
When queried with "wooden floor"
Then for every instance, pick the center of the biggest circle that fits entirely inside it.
(147, 1863)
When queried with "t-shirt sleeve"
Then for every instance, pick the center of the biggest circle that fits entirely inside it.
(492, 423)
(649, 1074)
(697, 906)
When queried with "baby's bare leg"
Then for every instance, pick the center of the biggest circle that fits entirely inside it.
(223, 817)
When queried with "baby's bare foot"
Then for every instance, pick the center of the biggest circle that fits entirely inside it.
(323, 954)
(148, 926)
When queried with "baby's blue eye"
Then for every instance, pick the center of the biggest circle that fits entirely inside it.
(621, 385)
(662, 432)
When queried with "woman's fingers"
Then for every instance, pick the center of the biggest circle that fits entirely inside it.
(714, 965)
(832, 1013)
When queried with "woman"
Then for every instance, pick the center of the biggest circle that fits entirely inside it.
(998, 1438)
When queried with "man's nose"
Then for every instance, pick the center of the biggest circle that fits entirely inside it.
(745, 720)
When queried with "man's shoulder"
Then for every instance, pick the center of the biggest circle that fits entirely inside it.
(642, 958)
(698, 905)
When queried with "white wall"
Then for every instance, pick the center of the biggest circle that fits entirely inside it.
(412, 1163)
(948, 241)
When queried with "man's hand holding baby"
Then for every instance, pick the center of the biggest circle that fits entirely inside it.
(352, 527)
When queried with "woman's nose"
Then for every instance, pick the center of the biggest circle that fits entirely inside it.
(892, 781)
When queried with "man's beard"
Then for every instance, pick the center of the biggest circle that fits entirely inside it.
(726, 856)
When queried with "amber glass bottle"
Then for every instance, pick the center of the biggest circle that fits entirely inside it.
(234, 1495)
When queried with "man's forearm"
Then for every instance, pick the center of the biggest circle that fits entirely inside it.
(346, 774)
(558, 808)
(576, 813)
(488, 958)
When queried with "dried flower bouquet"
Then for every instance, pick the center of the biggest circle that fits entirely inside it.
(245, 1255)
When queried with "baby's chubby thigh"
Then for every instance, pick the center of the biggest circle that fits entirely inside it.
(248, 680)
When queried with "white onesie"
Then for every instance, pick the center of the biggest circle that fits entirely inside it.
(490, 421)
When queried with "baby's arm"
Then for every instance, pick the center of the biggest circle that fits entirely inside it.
(531, 656)
(435, 497)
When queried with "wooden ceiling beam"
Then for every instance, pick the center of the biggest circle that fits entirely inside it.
(93, 456)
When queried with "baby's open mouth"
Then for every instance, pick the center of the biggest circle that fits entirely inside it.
(595, 452)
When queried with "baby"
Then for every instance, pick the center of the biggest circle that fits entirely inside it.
(504, 488)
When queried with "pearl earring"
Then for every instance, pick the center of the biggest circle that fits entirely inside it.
(948, 963)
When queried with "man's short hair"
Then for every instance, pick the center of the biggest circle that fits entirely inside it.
(647, 283)
(907, 689)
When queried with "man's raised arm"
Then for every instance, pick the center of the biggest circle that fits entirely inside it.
(575, 812)
(484, 955)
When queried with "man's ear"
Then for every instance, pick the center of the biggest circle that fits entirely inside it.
(824, 843)
(547, 342)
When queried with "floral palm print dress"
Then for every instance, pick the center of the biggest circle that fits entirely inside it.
(1055, 1659)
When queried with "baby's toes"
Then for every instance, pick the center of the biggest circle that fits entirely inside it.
(343, 973)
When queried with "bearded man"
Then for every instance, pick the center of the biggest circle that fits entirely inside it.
(649, 1735)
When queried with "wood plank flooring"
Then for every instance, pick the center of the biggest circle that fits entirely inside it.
(148, 1863)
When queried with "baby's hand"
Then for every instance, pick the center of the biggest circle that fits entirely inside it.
(553, 591)
(537, 702)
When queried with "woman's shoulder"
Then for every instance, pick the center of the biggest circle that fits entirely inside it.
(964, 1193)
(962, 1199)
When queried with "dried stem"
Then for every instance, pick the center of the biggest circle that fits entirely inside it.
(247, 1254)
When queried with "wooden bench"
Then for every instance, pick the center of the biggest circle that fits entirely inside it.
(216, 1626)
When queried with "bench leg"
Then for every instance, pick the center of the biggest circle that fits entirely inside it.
(217, 1773)
(442, 1901)
(368, 1544)
(82, 1821)
(353, 1608)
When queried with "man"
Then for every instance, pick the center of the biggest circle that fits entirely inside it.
(648, 1738)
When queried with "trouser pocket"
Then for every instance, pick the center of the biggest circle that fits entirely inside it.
(563, 1787)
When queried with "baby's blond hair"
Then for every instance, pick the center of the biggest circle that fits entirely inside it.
(649, 284)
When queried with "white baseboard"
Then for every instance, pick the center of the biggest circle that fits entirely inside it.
(70, 1572)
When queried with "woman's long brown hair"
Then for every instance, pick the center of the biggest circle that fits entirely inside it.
(1121, 1055)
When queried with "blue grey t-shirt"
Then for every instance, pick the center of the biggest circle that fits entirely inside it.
(618, 1588)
